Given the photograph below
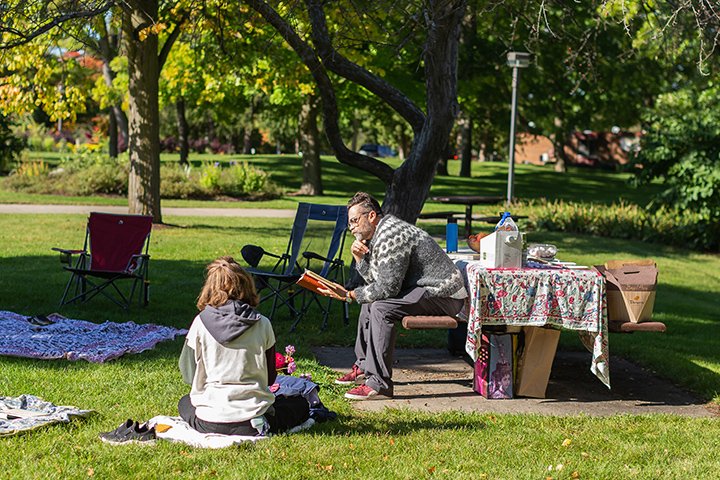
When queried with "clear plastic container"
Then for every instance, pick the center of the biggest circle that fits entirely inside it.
(544, 251)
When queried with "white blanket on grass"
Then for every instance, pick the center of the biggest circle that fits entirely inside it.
(180, 431)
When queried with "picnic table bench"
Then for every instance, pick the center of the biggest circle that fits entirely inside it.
(429, 322)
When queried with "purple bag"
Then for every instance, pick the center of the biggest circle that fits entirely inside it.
(493, 376)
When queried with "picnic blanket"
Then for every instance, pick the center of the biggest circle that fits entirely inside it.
(176, 429)
(59, 337)
(28, 412)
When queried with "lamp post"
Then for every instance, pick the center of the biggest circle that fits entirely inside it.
(516, 60)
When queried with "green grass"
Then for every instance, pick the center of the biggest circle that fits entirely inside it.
(340, 182)
(392, 444)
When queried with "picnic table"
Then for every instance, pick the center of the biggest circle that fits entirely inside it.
(469, 201)
(564, 298)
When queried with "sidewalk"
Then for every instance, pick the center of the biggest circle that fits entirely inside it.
(432, 380)
(166, 211)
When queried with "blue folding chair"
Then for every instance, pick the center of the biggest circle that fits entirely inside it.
(278, 283)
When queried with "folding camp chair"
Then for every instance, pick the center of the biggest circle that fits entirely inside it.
(115, 249)
(278, 283)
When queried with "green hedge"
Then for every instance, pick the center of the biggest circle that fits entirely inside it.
(93, 172)
(666, 226)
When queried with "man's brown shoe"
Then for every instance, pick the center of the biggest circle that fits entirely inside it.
(350, 377)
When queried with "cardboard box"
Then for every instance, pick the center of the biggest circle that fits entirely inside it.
(630, 287)
(501, 249)
(535, 359)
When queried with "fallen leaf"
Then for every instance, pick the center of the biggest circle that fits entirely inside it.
(161, 427)
(566, 442)
(559, 466)
(392, 441)
(431, 470)
(90, 472)
(575, 475)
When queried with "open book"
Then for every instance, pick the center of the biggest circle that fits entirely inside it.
(312, 281)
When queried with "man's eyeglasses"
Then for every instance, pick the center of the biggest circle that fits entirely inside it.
(354, 221)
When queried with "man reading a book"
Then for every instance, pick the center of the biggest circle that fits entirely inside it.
(404, 272)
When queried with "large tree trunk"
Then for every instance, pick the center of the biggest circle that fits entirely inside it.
(144, 119)
(410, 186)
(183, 132)
(310, 147)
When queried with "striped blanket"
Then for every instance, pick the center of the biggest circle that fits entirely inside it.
(55, 336)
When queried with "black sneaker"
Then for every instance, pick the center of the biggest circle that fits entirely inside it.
(130, 432)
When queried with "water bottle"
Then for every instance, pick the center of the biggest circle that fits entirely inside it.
(451, 236)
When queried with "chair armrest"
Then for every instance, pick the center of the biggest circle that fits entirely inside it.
(138, 263)
(66, 256)
(314, 256)
(69, 252)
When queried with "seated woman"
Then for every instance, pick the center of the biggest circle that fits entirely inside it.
(229, 361)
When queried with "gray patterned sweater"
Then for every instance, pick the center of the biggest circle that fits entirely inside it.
(403, 256)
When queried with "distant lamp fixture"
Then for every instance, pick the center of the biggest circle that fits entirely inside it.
(516, 60)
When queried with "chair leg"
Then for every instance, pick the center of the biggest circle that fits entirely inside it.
(67, 289)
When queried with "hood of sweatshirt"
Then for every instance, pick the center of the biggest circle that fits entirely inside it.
(228, 322)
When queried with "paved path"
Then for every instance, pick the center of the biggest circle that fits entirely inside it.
(170, 211)
(433, 380)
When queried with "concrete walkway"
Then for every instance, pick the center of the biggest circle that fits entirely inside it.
(432, 380)
(169, 211)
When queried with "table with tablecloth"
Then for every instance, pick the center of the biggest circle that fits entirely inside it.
(572, 299)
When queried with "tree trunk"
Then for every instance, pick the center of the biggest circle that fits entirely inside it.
(466, 154)
(310, 148)
(112, 135)
(183, 132)
(411, 182)
(141, 47)
(122, 125)
(407, 187)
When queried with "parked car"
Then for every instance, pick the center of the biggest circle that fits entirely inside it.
(378, 151)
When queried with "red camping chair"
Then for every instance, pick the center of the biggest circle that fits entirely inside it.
(118, 246)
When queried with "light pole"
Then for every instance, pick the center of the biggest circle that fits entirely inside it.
(516, 60)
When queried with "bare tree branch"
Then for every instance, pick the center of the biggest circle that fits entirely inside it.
(52, 22)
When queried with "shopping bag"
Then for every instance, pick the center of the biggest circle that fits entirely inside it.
(630, 287)
(493, 375)
(534, 360)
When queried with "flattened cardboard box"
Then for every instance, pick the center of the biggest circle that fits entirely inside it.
(631, 286)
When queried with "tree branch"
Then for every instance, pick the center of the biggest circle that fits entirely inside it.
(340, 65)
(52, 23)
(167, 46)
(327, 93)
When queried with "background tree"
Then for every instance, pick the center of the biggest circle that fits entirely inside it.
(407, 186)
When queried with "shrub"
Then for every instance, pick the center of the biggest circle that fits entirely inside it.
(177, 181)
(210, 177)
(666, 225)
(90, 172)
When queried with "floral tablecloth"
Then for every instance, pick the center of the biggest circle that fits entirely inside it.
(567, 298)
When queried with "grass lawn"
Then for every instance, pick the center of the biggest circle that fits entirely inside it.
(393, 444)
(340, 182)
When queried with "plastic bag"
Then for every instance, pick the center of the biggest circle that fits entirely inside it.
(506, 224)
